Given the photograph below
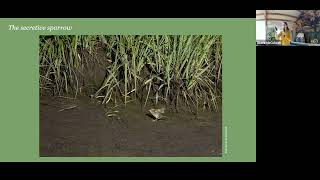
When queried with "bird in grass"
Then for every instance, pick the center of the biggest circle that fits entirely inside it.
(157, 113)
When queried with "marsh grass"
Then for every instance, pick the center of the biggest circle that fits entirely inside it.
(172, 69)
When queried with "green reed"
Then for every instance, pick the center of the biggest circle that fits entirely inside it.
(174, 69)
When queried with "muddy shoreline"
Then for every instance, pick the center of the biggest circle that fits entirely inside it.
(86, 131)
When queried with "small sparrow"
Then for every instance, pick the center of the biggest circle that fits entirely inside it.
(157, 113)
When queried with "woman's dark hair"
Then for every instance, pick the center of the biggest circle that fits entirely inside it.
(287, 29)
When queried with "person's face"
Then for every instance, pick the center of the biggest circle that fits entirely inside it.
(285, 25)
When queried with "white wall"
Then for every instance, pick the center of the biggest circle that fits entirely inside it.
(260, 30)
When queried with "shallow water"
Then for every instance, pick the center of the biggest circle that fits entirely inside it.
(86, 130)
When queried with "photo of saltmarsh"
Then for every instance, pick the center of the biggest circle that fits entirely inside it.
(130, 95)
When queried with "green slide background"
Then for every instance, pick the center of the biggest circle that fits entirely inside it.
(19, 96)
